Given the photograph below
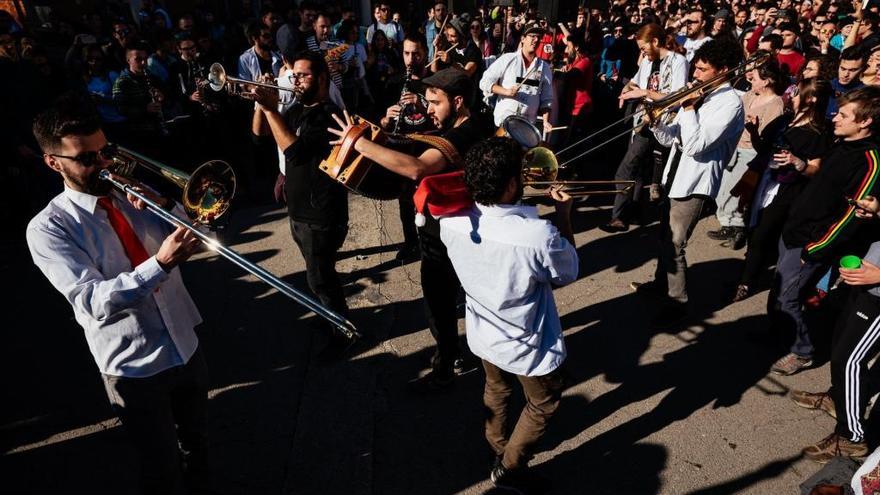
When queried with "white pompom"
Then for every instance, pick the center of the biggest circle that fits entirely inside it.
(420, 219)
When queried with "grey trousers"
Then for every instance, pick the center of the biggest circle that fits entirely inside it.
(727, 213)
(678, 217)
(637, 156)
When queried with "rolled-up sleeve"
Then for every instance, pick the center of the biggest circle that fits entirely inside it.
(560, 259)
(493, 75)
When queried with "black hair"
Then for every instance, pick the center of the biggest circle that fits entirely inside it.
(138, 45)
(489, 166)
(853, 53)
(775, 40)
(774, 72)
(720, 54)
(579, 42)
(68, 116)
(344, 28)
(416, 36)
(308, 5)
(316, 61)
(253, 30)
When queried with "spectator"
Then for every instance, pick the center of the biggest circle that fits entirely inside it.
(259, 59)
(789, 58)
(432, 27)
(852, 63)
(382, 22)
(99, 83)
(695, 32)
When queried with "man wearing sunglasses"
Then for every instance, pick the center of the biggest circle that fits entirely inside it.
(117, 267)
(382, 15)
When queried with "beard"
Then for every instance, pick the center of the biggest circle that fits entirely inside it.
(306, 95)
(92, 184)
(448, 122)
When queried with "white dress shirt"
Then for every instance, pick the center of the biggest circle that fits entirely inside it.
(506, 71)
(137, 322)
(706, 138)
(507, 260)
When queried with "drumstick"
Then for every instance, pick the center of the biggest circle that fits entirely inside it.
(529, 73)
(436, 57)
(558, 128)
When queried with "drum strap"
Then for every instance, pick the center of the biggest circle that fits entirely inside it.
(446, 148)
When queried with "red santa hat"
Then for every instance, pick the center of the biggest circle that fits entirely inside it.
(443, 194)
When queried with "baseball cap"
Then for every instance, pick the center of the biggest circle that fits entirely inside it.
(533, 27)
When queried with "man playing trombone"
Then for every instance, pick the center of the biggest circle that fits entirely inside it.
(117, 267)
(703, 137)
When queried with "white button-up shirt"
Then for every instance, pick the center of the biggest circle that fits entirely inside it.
(507, 71)
(706, 139)
(137, 322)
(507, 260)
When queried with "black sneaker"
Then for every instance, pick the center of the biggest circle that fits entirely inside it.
(463, 366)
(649, 289)
(614, 226)
(521, 481)
(721, 234)
(432, 382)
(409, 252)
(669, 316)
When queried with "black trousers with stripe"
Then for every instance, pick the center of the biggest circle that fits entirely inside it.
(856, 340)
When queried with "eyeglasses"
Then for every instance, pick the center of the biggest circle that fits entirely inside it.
(90, 158)
(299, 76)
(690, 21)
(188, 48)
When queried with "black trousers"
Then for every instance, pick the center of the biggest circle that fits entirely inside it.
(407, 208)
(319, 245)
(165, 416)
(440, 286)
(856, 340)
(763, 240)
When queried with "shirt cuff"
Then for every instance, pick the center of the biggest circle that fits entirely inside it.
(150, 274)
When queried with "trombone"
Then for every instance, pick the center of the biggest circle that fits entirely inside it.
(207, 193)
(218, 79)
(654, 110)
(540, 169)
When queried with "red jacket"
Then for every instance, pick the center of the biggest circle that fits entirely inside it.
(579, 85)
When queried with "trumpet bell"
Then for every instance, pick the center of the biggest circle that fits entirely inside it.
(209, 191)
(216, 77)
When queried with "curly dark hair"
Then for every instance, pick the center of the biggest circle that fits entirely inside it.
(827, 67)
(722, 53)
(489, 166)
(70, 115)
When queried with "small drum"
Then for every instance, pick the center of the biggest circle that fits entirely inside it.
(520, 130)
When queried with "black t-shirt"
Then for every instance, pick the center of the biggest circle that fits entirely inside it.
(414, 116)
(463, 137)
(265, 65)
(806, 143)
(312, 196)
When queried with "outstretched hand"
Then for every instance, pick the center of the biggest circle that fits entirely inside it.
(344, 126)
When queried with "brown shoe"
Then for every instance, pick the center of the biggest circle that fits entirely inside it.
(790, 364)
(833, 446)
(812, 400)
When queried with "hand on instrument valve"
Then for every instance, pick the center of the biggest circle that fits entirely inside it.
(177, 248)
(266, 98)
(344, 126)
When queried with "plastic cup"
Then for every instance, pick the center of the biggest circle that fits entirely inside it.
(850, 262)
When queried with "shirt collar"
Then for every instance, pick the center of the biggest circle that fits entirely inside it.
(88, 202)
(520, 210)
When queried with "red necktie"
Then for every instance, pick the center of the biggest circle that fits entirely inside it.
(130, 242)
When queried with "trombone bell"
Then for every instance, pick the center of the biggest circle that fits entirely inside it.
(540, 171)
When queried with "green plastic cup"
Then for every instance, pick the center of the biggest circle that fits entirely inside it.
(851, 262)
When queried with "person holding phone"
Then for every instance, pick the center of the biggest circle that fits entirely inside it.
(822, 225)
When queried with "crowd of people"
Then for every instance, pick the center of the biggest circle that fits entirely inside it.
(767, 113)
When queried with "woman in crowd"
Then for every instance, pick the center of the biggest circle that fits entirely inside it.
(789, 153)
(99, 83)
(382, 63)
(480, 39)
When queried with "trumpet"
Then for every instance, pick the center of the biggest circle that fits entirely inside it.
(207, 194)
(218, 79)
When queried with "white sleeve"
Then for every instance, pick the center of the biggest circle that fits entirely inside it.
(704, 129)
(243, 71)
(493, 75)
(679, 73)
(73, 273)
(560, 259)
(667, 134)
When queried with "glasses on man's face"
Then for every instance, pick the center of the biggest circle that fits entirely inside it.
(188, 48)
(90, 158)
(300, 76)
(691, 22)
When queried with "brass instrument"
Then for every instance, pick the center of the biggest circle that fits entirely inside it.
(218, 79)
(207, 194)
(654, 110)
(157, 97)
(540, 169)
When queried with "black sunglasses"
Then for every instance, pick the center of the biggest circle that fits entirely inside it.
(91, 158)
